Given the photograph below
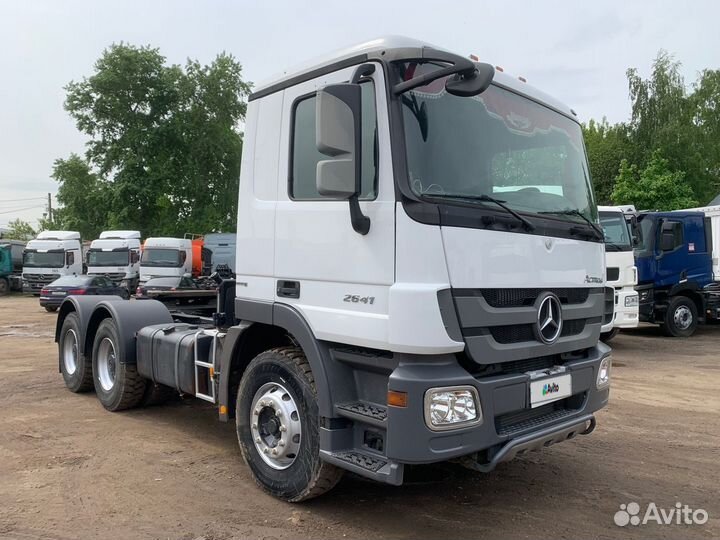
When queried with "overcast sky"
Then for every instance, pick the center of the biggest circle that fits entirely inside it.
(576, 51)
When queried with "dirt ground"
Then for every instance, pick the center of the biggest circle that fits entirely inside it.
(69, 469)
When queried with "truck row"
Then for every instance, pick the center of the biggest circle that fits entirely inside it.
(420, 277)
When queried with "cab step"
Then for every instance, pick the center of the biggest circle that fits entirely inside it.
(364, 411)
(378, 468)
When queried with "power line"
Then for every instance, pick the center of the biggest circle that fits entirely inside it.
(20, 209)
(19, 200)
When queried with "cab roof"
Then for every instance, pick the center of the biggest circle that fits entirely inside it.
(378, 48)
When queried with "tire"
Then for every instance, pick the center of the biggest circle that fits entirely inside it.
(76, 368)
(51, 309)
(118, 386)
(4, 286)
(156, 394)
(606, 337)
(281, 380)
(681, 317)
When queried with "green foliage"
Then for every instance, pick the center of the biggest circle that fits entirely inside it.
(164, 149)
(19, 230)
(656, 187)
(607, 145)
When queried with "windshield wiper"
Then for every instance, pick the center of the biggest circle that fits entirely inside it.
(487, 198)
(572, 212)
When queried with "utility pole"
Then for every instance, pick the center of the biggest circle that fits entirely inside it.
(50, 208)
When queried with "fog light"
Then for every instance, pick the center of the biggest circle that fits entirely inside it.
(632, 301)
(603, 378)
(452, 407)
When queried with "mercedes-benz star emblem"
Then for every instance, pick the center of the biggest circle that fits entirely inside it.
(549, 319)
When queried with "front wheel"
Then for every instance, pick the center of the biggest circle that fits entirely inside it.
(277, 426)
(118, 385)
(681, 318)
(4, 286)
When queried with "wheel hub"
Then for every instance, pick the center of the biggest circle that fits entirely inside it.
(70, 352)
(106, 364)
(683, 317)
(275, 425)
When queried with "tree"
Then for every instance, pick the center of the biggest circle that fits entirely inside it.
(607, 145)
(19, 230)
(656, 187)
(164, 149)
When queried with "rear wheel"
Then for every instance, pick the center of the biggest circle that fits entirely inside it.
(118, 385)
(75, 367)
(4, 286)
(277, 425)
(681, 318)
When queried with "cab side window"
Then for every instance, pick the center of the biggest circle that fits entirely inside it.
(304, 155)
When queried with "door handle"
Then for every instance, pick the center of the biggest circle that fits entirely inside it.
(288, 289)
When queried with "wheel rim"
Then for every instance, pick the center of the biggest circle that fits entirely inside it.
(106, 363)
(683, 317)
(70, 352)
(275, 426)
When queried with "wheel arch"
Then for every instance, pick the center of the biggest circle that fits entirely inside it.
(246, 340)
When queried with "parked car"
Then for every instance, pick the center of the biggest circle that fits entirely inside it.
(52, 295)
(162, 284)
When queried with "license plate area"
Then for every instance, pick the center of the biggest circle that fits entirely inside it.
(547, 390)
(59, 293)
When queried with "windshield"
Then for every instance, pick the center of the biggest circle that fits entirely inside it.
(161, 257)
(617, 233)
(35, 259)
(109, 258)
(498, 144)
(645, 230)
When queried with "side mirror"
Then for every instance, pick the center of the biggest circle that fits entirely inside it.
(338, 135)
(134, 257)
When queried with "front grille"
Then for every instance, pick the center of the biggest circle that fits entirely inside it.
(613, 273)
(526, 419)
(499, 298)
(517, 333)
(609, 305)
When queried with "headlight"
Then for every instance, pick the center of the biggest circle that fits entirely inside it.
(632, 301)
(452, 407)
(603, 378)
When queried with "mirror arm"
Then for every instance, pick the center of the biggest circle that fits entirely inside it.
(360, 222)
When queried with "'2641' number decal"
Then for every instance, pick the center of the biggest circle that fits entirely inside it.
(357, 299)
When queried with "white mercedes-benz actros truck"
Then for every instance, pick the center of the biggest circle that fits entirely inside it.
(50, 255)
(404, 292)
(621, 272)
(116, 255)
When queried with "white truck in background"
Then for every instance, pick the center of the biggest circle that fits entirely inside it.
(164, 257)
(51, 255)
(116, 255)
(621, 273)
(221, 247)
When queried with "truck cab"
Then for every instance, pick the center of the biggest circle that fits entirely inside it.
(621, 272)
(51, 255)
(420, 277)
(11, 256)
(116, 254)
(163, 256)
(675, 272)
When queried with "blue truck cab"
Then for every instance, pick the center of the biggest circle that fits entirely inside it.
(673, 256)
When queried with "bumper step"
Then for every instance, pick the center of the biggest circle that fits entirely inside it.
(377, 468)
(363, 411)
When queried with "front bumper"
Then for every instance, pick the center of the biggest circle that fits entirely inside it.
(625, 317)
(508, 421)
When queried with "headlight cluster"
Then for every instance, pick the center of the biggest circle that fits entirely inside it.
(603, 378)
(632, 301)
(452, 407)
